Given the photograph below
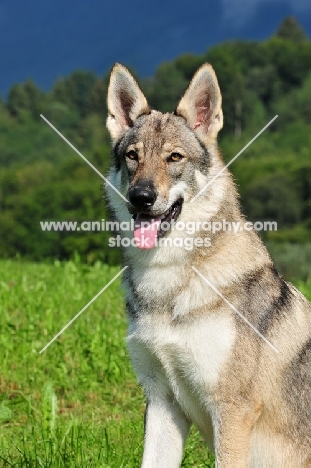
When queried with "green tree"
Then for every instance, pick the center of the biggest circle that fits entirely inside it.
(98, 98)
(188, 64)
(291, 29)
(75, 90)
(17, 99)
(273, 198)
(295, 106)
(26, 97)
(169, 85)
(291, 59)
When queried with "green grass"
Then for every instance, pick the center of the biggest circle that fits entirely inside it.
(78, 403)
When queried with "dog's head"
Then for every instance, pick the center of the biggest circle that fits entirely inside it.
(162, 160)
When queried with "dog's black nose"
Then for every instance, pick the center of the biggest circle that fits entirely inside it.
(143, 194)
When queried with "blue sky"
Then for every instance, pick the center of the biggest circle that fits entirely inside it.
(46, 39)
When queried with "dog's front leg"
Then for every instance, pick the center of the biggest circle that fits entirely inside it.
(166, 429)
(233, 425)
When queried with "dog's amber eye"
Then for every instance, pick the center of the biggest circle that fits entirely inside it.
(132, 155)
(174, 157)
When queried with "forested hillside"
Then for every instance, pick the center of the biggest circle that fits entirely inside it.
(42, 178)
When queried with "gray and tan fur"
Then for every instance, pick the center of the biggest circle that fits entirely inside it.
(196, 359)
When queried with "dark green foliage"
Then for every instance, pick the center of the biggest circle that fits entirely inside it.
(75, 90)
(168, 86)
(26, 98)
(188, 64)
(292, 260)
(290, 29)
(263, 199)
(97, 98)
(291, 59)
(43, 179)
(295, 106)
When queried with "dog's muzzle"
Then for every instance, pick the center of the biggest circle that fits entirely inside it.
(142, 195)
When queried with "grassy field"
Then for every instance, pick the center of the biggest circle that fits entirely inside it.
(78, 403)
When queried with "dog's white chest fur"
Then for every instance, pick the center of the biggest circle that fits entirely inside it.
(182, 359)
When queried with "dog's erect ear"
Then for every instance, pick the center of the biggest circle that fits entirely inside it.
(126, 102)
(201, 103)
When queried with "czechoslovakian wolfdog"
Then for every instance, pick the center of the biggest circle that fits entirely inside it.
(198, 360)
